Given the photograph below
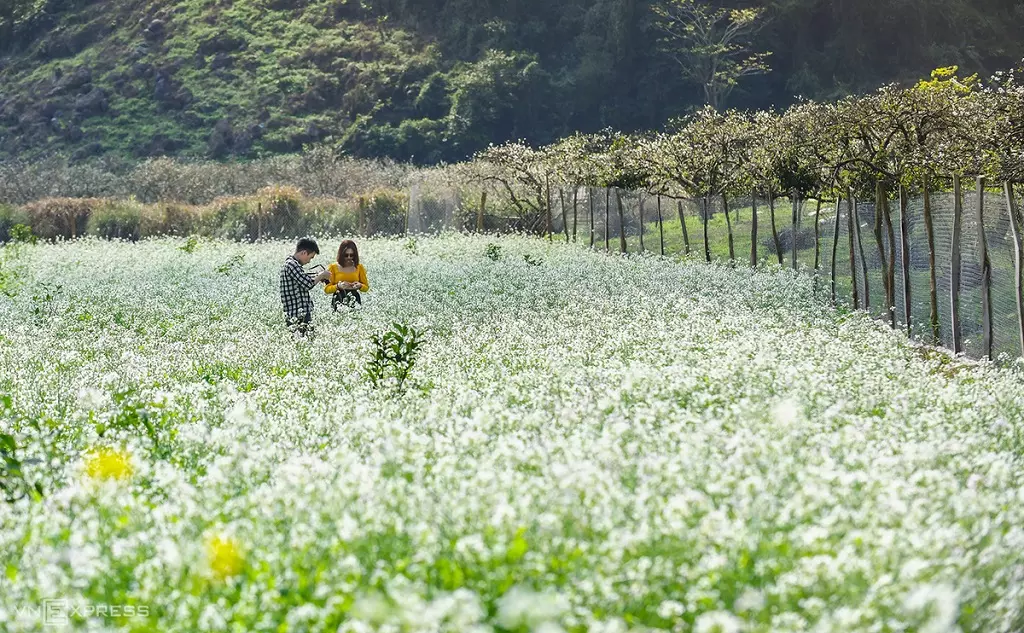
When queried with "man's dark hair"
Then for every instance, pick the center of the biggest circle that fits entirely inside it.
(309, 245)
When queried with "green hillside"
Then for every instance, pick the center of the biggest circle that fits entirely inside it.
(428, 80)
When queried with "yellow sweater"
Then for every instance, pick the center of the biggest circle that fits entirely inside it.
(337, 276)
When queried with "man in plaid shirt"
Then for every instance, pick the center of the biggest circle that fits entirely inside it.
(296, 283)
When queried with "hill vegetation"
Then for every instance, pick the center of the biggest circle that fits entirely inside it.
(426, 81)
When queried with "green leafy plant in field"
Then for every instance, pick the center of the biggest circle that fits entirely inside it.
(139, 415)
(229, 265)
(532, 261)
(493, 252)
(190, 246)
(14, 485)
(22, 234)
(394, 355)
(42, 302)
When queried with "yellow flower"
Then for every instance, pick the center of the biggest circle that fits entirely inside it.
(107, 463)
(224, 556)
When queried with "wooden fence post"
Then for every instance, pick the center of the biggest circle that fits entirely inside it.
(794, 200)
(851, 210)
(753, 230)
(905, 258)
(835, 246)
(682, 223)
(1018, 260)
(480, 213)
(728, 226)
(954, 269)
(661, 227)
(933, 291)
(986, 273)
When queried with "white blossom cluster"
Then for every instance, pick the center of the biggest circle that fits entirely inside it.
(595, 443)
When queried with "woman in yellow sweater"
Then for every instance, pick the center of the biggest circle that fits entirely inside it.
(348, 276)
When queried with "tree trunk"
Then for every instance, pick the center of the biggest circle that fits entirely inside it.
(863, 260)
(835, 247)
(661, 228)
(986, 274)
(817, 233)
(933, 316)
(682, 223)
(622, 221)
(753, 231)
(575, 209)
(954, 268)
(775, 231)
(547, 205)
(879, 238)
(607, 216)
(590, 196)
(851, 207)
(795, 220)
(728, 225)
(891, 264)
(707, 245)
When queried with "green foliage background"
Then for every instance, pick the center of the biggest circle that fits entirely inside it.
(425, 80)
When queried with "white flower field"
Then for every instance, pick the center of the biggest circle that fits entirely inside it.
(586, 442)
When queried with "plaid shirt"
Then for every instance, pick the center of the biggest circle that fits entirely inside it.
(295, 286)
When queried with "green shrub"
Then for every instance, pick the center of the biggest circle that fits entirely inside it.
(279, 209)
(382, 212)
(183, 219)
(126, 219)
(330, 217)
(10, 216)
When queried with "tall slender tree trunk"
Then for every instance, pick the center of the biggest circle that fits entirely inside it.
(728, 225)
(753, 231)
(707, 245)
(891, 265)
(607, 216)
(933, 283)
(880, 236)
(682, 223)
(860, 250)
(575, 209)
(622, 221)
(817, 233)
(851, 207)
(775, 230)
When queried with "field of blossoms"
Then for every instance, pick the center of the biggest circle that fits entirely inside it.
(586, 443)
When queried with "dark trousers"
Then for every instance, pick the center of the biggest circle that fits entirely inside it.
(301, 324)
(346, 297)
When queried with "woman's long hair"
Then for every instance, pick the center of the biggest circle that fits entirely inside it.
(345, 245)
